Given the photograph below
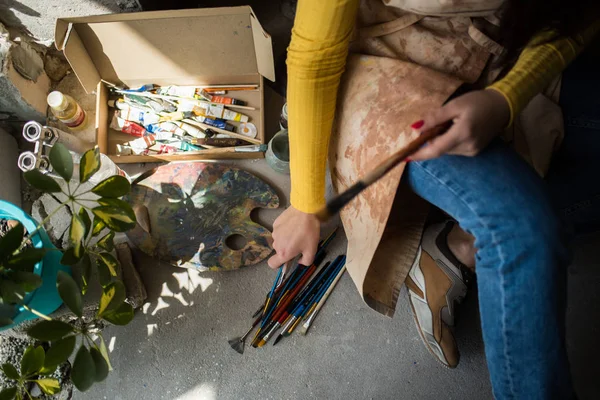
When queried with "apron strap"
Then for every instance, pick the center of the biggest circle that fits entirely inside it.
(387, 28)
(484, 40)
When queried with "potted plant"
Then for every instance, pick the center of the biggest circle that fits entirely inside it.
(35, 277)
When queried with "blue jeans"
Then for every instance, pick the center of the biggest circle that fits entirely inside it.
(521, 265)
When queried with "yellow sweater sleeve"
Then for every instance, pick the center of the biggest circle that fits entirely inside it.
(537, 65)
(315, 62)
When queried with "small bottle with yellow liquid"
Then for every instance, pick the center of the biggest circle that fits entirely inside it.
(67, 110)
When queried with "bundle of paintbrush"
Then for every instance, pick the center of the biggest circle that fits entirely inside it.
(174, 119)
(295, 298)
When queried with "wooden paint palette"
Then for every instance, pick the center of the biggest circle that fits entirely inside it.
(193, 208)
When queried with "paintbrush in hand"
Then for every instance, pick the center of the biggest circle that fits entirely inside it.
(337, 203)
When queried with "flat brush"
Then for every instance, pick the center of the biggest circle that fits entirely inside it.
(337, 203)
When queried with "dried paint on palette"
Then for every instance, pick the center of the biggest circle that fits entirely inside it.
(194, 207)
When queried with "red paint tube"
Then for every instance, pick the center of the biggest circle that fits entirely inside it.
(128, 127)
(221, 99)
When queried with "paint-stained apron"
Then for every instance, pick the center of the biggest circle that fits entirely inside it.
(401, 64)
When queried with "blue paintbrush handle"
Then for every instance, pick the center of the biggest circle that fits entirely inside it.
(330, 280)
(316, 284)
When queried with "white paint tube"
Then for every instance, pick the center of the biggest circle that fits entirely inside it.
(139, 116)
(179, 91)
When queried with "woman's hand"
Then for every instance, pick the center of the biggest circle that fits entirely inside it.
(295, 232)
(478, 118)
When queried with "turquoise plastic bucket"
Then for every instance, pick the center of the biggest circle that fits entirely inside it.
(44, 299)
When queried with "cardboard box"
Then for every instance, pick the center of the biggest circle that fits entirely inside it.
(217, 46)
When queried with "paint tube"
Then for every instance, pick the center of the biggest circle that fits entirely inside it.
(218, 111)
(185, 146)
(178, 91)
(143, 142)
(219, 142)
(167, 127)
(143, 88)
(126, 150)
(163, 149)
(190, 129)
(252, 148)
(175, 116)
(217, 123)
(164, 136)
(144, 103)
(131, 128)
(221, 99)
(139, 116)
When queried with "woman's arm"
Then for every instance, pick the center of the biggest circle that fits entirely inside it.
(481, 115)
(538, 65)
(316, 59)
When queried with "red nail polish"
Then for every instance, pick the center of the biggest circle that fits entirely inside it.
(418, 124)
(407, 159)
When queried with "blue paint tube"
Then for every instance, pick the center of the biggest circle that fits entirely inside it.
(216, 122)
(143, 88)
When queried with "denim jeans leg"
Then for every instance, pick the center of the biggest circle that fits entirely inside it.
(521, 265)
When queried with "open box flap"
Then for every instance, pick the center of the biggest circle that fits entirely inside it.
(166, 47)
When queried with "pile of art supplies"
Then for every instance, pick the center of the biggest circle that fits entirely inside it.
(182, 119)
(294, 299)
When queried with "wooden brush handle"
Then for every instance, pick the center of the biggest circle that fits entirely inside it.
(337, 203)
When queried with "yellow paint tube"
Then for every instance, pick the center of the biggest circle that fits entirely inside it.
(218, 111)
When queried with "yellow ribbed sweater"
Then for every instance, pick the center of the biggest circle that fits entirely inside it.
(316, 59)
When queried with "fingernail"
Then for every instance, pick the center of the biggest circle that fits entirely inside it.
(418, 124)
(407, 159)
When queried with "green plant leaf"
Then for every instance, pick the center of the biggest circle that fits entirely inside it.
(120, 316)
(97, 226)
(49, 386)
(8, 393)
(104, 275)
(115, 218)
(26, 259)
(111, 263)
(120, 204)
(86, 273)
(47, 331)
(104, 352)
(77, 230)
(73, 254)
(7, 311)
(11, 292)
(61, 161)
(28, 280)
(113, 187)
(107, 242)
(87, 222)
(59, 352)
(10, 371)
(41, 182)
(89, 164)
(83, 373)
(11, 241)
(32, 361)
(113, 295)
(100, 363)
(69, 293)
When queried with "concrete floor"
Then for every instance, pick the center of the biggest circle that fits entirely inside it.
(176, 347)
